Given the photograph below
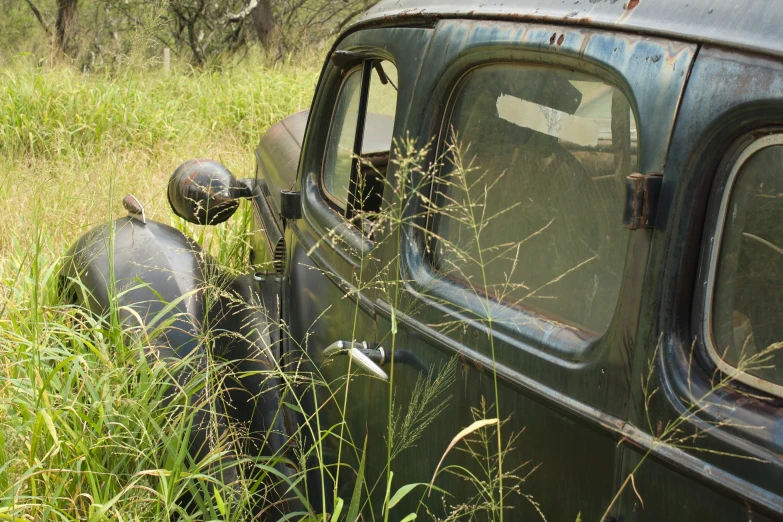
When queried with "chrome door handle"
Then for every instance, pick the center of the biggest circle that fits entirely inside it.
(362, 354)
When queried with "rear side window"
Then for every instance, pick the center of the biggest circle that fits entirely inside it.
(747, 264)
(533, 218)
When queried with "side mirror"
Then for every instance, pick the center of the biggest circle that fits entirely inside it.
(205, 192)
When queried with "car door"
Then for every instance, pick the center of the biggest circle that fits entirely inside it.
(361, 102)
(712, 432)
(514, 262)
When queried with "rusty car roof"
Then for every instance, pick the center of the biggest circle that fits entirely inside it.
(746, 24)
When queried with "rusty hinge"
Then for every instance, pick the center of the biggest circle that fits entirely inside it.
(641, 200)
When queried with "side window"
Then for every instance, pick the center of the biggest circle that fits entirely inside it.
(352, 185)
(533, 216)
(747, 300)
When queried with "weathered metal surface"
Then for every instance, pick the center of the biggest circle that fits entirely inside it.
(732, 99)
(151, 254)
(652, 71)
(205, 192)
(277, 159)
(634, 201)
(579, 386)
(328, 281)
(750, 24)
(624, 432)
(268, 233)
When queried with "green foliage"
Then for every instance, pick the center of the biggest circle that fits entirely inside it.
(107, 34)
(428, 400)
(58, 112)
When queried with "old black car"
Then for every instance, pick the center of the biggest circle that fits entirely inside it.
(616, 297)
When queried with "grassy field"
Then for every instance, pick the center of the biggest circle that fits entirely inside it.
(81, 432)
(71, 145)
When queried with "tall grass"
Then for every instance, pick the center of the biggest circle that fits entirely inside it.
(49, 113)
(84, 433)
(71, 145)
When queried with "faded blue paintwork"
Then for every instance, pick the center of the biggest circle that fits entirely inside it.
(747, 24)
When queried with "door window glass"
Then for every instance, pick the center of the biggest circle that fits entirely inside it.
(533, 217)
(376, 136)
(339, 151)
(747, 316)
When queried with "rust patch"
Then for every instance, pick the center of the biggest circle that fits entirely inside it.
(631, 4)
(560, 40)
(552, 40)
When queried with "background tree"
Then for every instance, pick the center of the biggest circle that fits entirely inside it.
(65, 24)
(98, 33)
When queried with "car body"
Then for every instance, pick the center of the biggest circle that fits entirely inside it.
(652, 131)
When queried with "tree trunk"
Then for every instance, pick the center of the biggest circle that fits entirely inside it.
(265, 26)
(198, 54)
(65, 24)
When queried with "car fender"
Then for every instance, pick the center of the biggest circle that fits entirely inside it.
(163, 286)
